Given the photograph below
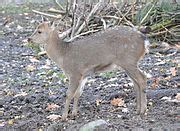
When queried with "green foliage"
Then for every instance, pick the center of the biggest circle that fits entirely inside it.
(61, 75)
(153, 12)
(142, 12)
(14, 9)
(167, 6)
(34, 47)
(108, 74)
(162, 18)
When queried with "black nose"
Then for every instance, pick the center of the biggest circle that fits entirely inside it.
(29, 39)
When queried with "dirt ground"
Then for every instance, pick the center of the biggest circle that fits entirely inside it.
(31, 84)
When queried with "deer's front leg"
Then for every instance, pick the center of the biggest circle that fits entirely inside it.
(73, 85)
(77, 94)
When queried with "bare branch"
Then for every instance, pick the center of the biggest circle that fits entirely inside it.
(93, 11)
(104, 23)
(84, 33)
(57, 11)
(65, 33)
(45, 14)
(61, 7)
(74, 18)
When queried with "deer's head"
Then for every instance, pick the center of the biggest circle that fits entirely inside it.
(41, 33)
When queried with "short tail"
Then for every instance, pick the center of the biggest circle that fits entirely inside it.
(147, 44)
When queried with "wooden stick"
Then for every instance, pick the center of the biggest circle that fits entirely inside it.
(113, 17)
(74, 17)
(84, 33)
(157, 33)
(65, 33)
(128, 22)
(61, 7)
(147, 14)
(45, 14)
(57, 11)
(104, 23)
(93, 11)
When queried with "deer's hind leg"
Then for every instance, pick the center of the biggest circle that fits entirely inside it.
(139, 80)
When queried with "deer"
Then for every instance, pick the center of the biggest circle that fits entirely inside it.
(116, 47)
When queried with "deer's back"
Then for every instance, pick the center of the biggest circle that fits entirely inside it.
(111, 35)
(115, 44)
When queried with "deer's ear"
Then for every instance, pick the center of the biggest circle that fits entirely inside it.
(52, 24)
(44, 19)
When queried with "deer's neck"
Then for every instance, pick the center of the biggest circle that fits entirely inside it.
(56, 48)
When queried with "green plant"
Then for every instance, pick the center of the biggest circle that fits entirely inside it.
(34, 47)
(15, 9)
(108, 74)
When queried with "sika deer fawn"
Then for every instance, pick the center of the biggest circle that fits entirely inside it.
(119, 46)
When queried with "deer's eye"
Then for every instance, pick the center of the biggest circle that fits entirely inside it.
(39, 32)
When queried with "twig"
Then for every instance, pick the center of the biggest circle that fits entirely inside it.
(45, 14)
(57, 11)
(128, 22)
(125, 14)
(78, 22)
(104, 23)
(65, 33)
(86, 23)
(84, 33)
(147, 14)
(42, 53)
(133, 9)
(112, 17)
(93, 11)
(59, 4)
(157, 34)
(74, 18)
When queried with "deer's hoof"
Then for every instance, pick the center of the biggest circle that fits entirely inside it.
(74, 113)
(142, 111)
(64, 117)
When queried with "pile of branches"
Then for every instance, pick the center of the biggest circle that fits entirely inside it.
(77, 19)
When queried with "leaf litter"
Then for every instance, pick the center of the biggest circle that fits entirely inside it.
(162, 65)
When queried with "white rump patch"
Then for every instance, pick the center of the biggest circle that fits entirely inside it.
(147, 44)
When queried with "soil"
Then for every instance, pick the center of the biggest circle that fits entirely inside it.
(28, 83)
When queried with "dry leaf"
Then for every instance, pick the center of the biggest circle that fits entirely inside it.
(125, 110)
(40, 129)
(177, 96)
(20, 28)
(42, 53)
(178, 117)
(25, 41)
(2, 124)
(21, 94)
(167, 78)
(26, 13)
(45, 67)
(33, 59)
(30, 68)
(48, 62)
(155, 82)
(173, 71)
(53, 117)
(98, 101)
(52, 106)
(11, 121)
(177, 45)
(117, 102)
